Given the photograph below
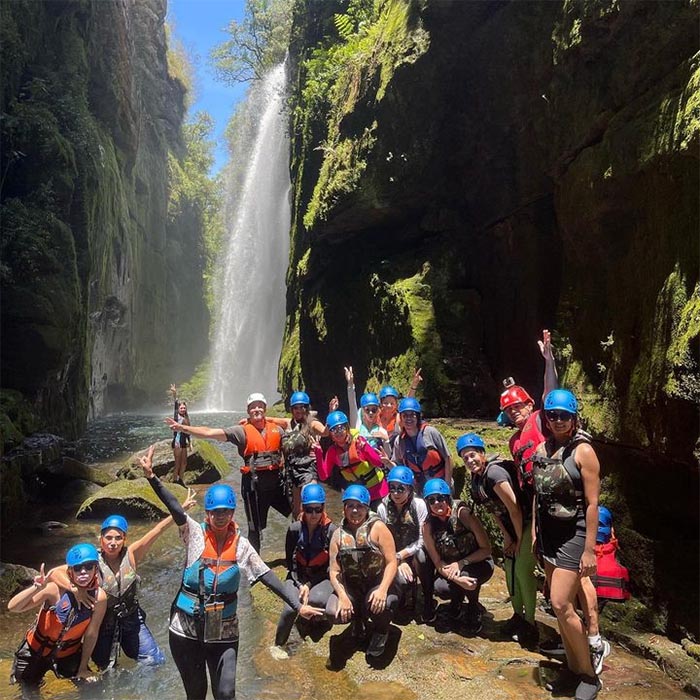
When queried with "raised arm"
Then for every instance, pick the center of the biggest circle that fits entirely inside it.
(415, 381)
(40, 591)
(353, 414)
(551, 380)
(169, 501)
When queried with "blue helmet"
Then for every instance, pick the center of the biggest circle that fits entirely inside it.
(336, 418)
(81, 553)
(470, 440)
(388, 391)
(313, 493)
(604, 525)
(299, 398)
(401, 474)
(561, 400)
(436, 487)
(115, 521)
(356, 492)
(219, 496)
(409, 404)
(369, 399)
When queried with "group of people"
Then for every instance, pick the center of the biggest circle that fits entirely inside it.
(402, 525)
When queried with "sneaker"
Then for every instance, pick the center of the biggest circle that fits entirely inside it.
(527, 636)
(377, 644)
(429, 612)
(472, 621)
(512, 625)
(278, 653)
(588, 688)
(553, 648)
(563, 684)
(598, 655)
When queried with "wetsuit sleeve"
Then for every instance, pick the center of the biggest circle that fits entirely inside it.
(175, 410)
(290, 545)
(277, 587)
(169, 501)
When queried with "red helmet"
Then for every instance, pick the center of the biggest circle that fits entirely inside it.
(514, 394)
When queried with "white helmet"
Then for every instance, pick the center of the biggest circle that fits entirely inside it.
(256, 397)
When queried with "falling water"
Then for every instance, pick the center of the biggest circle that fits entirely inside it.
(251, 286)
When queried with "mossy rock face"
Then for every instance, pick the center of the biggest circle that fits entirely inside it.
(205, 463)
(71, 468)
(14, 578)
(132, 498)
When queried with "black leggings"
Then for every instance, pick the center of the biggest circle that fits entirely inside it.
(191, 655)
(482, 571)
(360, 604)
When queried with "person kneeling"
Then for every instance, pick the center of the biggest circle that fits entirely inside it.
(362, 569)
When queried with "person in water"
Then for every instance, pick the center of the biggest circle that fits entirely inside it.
(259, 443)
(181, 440)
(494, 486)
(307, 545)
(566, 478)
(421, 447)
(65, 632)
(362, 570)
(351, 459)
(460, 550)
(404, 514)
(203, 631)
(124, 623)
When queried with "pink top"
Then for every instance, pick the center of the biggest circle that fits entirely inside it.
(334, 458)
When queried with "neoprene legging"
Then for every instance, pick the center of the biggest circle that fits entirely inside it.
(521, 579)
(192, 658)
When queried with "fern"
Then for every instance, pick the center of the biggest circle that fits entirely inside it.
(344, 26)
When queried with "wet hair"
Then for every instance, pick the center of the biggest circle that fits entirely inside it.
(187, 415)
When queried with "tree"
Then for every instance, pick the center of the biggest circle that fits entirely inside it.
(257, 43)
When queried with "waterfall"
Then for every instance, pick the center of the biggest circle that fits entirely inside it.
(251, 288)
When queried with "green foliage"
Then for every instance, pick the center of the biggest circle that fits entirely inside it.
(256, 44)
(194, 390)
(180, 64)
(375, 39)
(193, 189)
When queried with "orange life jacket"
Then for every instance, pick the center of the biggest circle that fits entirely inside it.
(358, 470)
(65, 636)
(425, 462)
(263, 449)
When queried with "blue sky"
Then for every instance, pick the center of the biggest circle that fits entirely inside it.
(199, 25)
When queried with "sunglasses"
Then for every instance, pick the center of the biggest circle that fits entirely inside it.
(83, 567)
(432, 500)
(314, 511)
(559, 415)
(397, 489)
(370, 409)
(339, 429)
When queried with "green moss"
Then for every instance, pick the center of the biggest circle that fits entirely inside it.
(290, 359)
(212, 454)
(683, 381)
(194, 390)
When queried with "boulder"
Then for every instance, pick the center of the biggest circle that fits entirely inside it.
(205, 463)
(70, 468)
(14, 578)
(76, 491)
(132, 498)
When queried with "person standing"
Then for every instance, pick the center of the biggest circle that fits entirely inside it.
(566, 478)
(421, 447)
(203, 632)
(494, 486)
(181, 440)
(259, 442)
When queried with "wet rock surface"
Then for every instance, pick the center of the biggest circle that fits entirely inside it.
(422, 663)
(205, 463)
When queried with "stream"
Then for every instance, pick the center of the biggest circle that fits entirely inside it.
(450, 665)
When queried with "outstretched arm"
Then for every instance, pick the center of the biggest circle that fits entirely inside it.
(551, 380)
(197, 431)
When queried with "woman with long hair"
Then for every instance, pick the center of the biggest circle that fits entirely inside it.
(181, 440)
